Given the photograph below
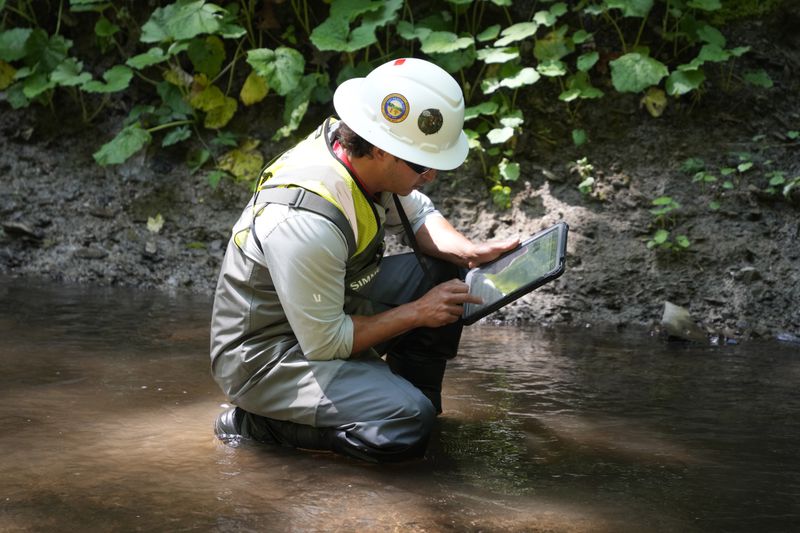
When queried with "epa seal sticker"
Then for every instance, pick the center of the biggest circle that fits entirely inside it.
(430, 121)
(395, 108)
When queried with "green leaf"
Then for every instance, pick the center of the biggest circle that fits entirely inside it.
(182, 20)
(501, 196)
(631, 8)
(682, 82)
(579, 85)
(524, 76)
(705, 5)
(553, 46)
(207, 55)
(516, 32)
(713, 53)
(173, 98)
(282, 68)
(68, 73)
(37, 84)
(455, 61)
(127, 142)
(581, 36)
(509, 170)
(500, 135)
(117, 79)
(105, 28)
(181, 133)
(587, 61)
(484, 108)
(409, 32)
(152, 57)
(45, 51)
(759, 78)
(682, 241)
(488, 34)
(661, 236)
(513, 119)
(693, 165)
(444, 42)
(214, 177)
(711, 35)
(579, 137)
(634, 72)
(297, 103)
(195, 159)
(334, 33)
(498, 55)
(552, 69)
(15, 95)
(569, 95)
(12, 43)
(544, 18)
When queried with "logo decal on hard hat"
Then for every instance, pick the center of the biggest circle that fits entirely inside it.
(430, 121)
(395, 108)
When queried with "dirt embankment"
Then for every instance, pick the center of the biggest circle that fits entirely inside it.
(67, 219)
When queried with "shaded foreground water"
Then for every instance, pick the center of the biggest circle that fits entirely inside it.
(106, 407)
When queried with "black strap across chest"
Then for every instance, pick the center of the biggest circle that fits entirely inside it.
(304, 199)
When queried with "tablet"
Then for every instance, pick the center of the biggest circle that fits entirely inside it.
(533, 263)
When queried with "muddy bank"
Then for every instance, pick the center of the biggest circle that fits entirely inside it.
(67, 219)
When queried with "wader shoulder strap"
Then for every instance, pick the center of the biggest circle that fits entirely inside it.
(304, 199)
(412, 238)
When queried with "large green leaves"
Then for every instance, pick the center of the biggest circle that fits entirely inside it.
(127, 142)
(631, 8)
(12, 43)
(445, 42)
(634, 72)
(116, 79)
(282, 68)
(182, 20)
(335, 33)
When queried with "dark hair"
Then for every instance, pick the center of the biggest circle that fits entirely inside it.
(351, 141)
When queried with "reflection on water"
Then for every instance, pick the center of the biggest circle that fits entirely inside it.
(106, 406)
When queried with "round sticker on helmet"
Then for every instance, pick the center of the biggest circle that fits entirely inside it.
(395, 108)
(430, 121)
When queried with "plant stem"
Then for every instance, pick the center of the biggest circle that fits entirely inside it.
(641, 29)
(60, 10)
(172, 124)
(613, 22)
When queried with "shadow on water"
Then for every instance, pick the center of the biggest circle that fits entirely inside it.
(106, 406)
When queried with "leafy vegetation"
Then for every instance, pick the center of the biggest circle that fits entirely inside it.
(186, 69)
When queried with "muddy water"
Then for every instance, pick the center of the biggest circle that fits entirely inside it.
(106, 407)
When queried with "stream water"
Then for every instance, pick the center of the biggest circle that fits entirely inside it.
(106, 409)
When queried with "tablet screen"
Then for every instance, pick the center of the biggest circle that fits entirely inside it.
(534, 262)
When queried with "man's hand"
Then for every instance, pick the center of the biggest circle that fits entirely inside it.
(444, 304)
(487, 251)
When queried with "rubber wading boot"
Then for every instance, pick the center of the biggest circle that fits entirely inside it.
(235, 424)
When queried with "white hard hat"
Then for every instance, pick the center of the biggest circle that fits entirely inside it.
(410, 108)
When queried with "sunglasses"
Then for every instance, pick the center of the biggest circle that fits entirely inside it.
(419, 169)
